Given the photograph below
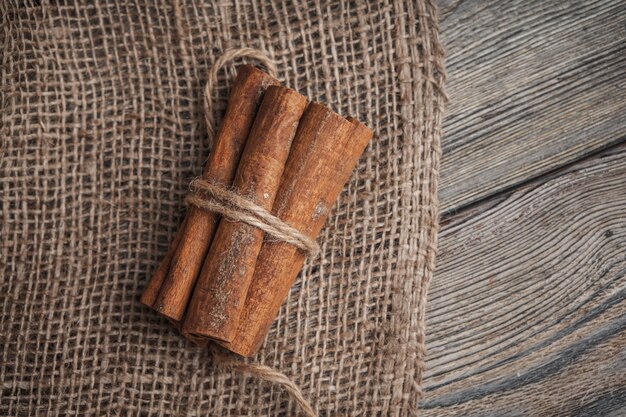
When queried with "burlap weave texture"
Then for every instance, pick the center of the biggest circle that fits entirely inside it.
(101, 130)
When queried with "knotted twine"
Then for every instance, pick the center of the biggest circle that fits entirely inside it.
(208, 196)
(211, 197)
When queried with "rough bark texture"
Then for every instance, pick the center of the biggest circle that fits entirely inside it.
(199, 228)
(223, 282)
(324, 153)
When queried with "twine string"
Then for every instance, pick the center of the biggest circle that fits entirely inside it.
(228, 56)
(265, 373)
(211, 197)
(235, 207)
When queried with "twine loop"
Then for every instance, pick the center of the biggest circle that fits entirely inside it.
(211, 197)
(228, 56)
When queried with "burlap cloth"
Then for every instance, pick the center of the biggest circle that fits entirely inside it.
(102, 129)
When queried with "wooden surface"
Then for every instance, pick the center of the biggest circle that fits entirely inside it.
(527, 309)
(533, 85)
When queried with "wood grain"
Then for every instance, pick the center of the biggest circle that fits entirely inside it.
(533, 85)
(527, 309)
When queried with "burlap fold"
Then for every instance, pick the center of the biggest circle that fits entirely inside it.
(102, 128)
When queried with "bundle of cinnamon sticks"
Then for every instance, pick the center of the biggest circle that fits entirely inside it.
(224, 279)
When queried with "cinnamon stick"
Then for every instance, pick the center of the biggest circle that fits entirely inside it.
(324, 153)
(223, 282)
(151, 291)
(189, 255)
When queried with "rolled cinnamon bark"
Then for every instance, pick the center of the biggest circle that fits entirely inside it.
(151, 291)
(196, 236)
(323, 155)
(223, 282)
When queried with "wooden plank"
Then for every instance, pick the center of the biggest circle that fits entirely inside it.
(533, 85)
(527, 308)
